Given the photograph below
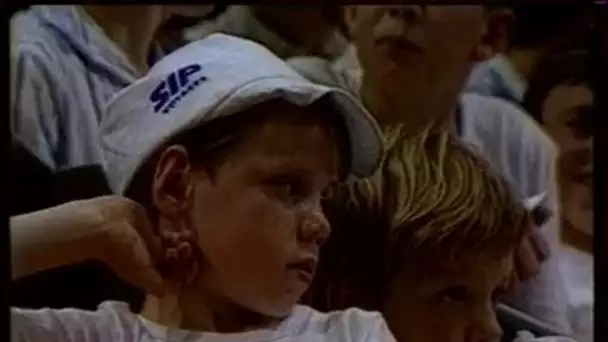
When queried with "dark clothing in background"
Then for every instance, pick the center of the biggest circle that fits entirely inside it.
(30, 185)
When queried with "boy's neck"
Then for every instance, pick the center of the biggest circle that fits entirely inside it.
(525, 61)
(131, 28)
(190, 312)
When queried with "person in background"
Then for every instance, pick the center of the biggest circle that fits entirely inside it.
(440, 229)
(68, 61)
(560, 98)
(169, 35)
(229, 223)
(535, 34)
(288, 31)
(397, 64)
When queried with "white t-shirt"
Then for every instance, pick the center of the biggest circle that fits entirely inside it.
(113, 322)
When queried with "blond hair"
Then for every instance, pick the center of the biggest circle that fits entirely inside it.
(432, 198)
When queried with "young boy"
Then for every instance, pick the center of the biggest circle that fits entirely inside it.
(228, 150)
(429, 241)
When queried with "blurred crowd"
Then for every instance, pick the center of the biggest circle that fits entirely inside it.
(424, 171)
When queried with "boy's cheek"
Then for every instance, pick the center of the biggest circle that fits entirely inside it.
(428, 324)
(416, 313)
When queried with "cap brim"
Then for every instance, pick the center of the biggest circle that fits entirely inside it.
(365, 137)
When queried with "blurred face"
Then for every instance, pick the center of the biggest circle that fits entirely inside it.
(566, 115)
(448, 304)
(258, 220)
(424, 52)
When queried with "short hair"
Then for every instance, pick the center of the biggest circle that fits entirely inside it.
(432, 199)
(210, 144)
(537, 25)
(571, 68)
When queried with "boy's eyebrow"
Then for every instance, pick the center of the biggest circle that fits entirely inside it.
(280, 165)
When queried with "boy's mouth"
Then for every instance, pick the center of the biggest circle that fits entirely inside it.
(305, 268)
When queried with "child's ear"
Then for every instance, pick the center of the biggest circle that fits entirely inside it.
(172, 185)
(172, 195)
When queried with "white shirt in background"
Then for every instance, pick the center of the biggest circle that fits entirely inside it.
(577, 268)
(517, 147)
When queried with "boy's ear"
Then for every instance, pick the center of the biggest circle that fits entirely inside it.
(172, 185)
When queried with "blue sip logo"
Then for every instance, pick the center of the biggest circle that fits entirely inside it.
(177, 85)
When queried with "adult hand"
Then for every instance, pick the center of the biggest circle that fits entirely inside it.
(530, 255)
(111, 229)
(127, 243)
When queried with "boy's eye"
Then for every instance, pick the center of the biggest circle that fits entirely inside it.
(290, 191)
(454, 294)
(580, 122)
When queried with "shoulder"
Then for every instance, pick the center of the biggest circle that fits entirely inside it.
(33, 45)
(29, 30)
(481, 79)
(36, 38)
(322, 71)
(348, 325)
(501, 121)
(511, 141)
(315, 69)
(110, 322)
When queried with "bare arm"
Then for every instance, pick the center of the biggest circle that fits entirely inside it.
(51, 238)
(111, 229)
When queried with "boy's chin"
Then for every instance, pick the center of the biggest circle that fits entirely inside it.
(276, 312)
(272, 308)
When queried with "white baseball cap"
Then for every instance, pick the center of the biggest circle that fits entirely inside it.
(211, 78)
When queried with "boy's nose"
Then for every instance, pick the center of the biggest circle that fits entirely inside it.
(314, 227)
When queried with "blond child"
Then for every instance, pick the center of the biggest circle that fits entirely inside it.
(429, 241)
